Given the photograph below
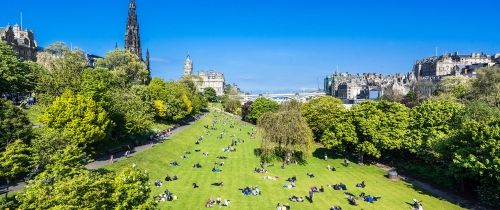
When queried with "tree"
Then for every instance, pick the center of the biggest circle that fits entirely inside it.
(340, 134)
(15, 76)
(16, 159)
(131, 189)
(286, 131)
(78, 118)
(210, 94)
(260, 106)
(64, 73)
(245, 110)
(455, 86)
(487, 85)
(131, 115)
(126, 67)
(380, 125)
(232, 105)
(67, 184)
(475, 150)
(322, 112)
(13, 124)
(175, 99)
(97, 83)
(431, 124)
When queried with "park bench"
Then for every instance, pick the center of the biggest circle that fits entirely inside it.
(119, 149)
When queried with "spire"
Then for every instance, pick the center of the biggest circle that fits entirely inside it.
(132, 37)
(148, 67)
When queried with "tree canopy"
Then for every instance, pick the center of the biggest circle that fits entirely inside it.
(286, 131)
(78, 118)
(15, 76)
(260, 106)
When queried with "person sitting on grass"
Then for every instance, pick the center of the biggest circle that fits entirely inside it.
(311, 175)
(226, 202)
(174, 163)
(158, 183)
(314, 189)
(210, 203)
(218, 200)
(197, 165)
(256, 190)
(292, 179)
(335, 208)
(321, 189)
(361, 185)
(168, 178)
(195, 185)
(330, 168)
(352, 200)
(216, 170)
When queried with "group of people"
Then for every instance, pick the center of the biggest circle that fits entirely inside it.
(295, 198)
(169, 179)
(291, 183)
(251, 191)
(339, 186)
(166, 196)
(211, 202)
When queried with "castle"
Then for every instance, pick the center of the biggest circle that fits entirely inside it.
(22, 41)
(205, 79)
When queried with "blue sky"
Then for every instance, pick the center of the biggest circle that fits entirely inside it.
(270, 44)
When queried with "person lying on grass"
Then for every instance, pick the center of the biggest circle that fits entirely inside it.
(295, 198)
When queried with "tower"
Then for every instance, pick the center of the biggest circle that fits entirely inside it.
(188, 66)
(132, 38)
(148, 68)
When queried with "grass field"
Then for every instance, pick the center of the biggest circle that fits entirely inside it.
(238, 173)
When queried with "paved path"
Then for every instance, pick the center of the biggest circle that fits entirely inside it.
(434, 191)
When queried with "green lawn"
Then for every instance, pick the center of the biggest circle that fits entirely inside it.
(238, 173)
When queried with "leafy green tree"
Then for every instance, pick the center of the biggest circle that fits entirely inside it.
(63, 74)
(232, 105)
(260, 106)
(475, 150)
(286, 131)
(322, 112)
(131, 189)
(15, 76)
(97, 84)
(131, 115)
(380, 125)
(126, 67)
(431, 124)
(340, 134)
(13, 124)
(78, 118)
(487, 85)
(210, 94)
(16, 159)
(174, 97)
(455, 86)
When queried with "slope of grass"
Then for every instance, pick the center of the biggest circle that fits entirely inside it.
(238, 173)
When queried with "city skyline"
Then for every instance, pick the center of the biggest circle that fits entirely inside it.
(274, 45)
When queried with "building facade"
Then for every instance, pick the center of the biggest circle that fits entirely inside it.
(205, 79)
(452, 64)
(349, 87)
(22, 41)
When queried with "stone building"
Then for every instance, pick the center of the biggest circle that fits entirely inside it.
(452, 64)
(205, 79)
(22, 41)
(350, 87)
